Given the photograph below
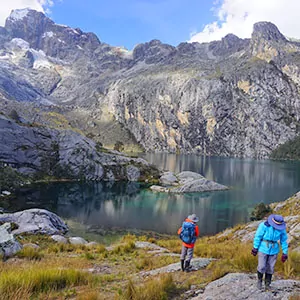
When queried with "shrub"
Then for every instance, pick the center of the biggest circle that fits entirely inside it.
(154, 289)
(30, 253)
(14, 115)
(10, 179)
(260, 211)
(119, 146)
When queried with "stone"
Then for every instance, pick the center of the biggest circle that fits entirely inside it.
(196, 264)
(238, 286)
(59, 239)
(8, 244)
(35, 221)
(133, 173)
(77, 241)
(6, 193)
(31, 245)
(91, 244)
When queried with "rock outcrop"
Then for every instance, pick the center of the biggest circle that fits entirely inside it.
(234, 97)
(186, 182)
(8, 244)
(35, 221)
(238, 286)
(36, 149)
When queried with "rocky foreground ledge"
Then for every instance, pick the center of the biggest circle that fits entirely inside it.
(186, 182)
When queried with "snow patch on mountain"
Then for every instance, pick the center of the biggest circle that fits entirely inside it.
(18, 14)
(40, 59)
(19, 43)
(48, 34)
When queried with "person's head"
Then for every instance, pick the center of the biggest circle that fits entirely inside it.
(277, 222)
(193, 218)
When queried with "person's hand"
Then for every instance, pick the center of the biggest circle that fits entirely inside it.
(254, 251)
(284, 257)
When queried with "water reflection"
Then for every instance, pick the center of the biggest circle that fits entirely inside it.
(131, 205)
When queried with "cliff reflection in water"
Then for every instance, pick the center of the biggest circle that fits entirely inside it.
(132, 206)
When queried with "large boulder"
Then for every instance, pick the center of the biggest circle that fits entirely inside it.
(240, 286)
(8, 244)
(35, 221)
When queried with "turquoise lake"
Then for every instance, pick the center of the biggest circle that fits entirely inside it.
(132, 206)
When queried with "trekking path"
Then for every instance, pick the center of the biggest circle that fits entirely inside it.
(238, 286)
(197, 263)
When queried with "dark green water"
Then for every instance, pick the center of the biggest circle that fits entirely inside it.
(130, 206)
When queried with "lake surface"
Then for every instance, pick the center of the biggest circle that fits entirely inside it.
(132, 206)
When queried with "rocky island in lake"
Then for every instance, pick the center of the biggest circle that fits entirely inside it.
(186, 182)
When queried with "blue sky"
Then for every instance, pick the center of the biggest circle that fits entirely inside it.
(128, 23)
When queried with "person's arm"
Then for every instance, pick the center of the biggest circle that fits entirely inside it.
(259, 235)
(283, 242)
(179, 230)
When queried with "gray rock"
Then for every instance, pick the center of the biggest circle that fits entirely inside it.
(6, 193)
(186, 182)
(31, 245)
(8, 244)
(91, 244)
(59, 239)
(63, 153)
(168, 178)
(236, 286)
(133, 173)
(35, 221)
(77, 240)
(160, 189)
(196, 264)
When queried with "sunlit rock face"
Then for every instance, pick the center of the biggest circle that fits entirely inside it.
(234, 97)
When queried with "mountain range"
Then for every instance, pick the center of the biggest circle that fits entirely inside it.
(233, 97)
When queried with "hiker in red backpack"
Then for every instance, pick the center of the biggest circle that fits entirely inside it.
(188, 233)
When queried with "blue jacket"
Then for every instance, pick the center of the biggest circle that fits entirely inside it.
(265, 235)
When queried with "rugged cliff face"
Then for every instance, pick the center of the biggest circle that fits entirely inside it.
(232, 97)
(39, 151)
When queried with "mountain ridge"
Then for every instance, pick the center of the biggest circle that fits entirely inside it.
(234, 97)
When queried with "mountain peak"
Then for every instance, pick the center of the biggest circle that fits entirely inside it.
(267, 31)
(18, 14)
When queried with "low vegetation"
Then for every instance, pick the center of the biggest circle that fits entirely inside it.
(288, 150)
(65, 271)
(10, 179)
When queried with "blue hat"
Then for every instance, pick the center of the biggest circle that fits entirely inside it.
(277, 222)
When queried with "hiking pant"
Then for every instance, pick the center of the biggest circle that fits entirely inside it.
(266, 263)
(186, 253)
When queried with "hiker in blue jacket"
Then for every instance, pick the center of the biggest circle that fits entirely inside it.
(265, 243)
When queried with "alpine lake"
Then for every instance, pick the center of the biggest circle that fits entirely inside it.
(97, 209)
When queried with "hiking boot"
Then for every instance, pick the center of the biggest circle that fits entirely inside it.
(187, 266)
(259, 280)
(268, 279)
(182, 265)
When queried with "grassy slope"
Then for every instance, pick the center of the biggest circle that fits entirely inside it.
(61, 271)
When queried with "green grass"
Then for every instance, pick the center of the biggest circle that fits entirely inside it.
(30, 253)
(34, 281)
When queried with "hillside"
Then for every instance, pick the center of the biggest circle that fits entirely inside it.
(234, 97)
(147, 267)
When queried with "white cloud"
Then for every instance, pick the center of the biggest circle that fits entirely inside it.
(7, 6)
(238, 17)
